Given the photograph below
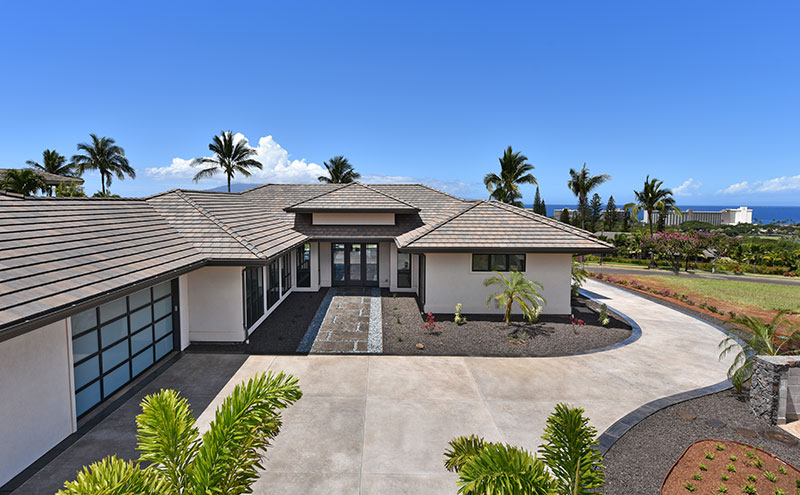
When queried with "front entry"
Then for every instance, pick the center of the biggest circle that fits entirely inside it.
(355, 264)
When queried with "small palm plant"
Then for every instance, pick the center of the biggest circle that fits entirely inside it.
(514, 168)
(178, 460)
(516, 289)
(26, 182)
(569, 463)
(231, 156)
(764, 340)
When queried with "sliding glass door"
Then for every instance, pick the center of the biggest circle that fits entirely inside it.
(253, 294)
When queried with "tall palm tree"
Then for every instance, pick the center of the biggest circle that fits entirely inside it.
(514, 168)
(581, 183)
(229, 158)
(175, 458)
(25, 182)
(339, 171)
(103, 155)
(53, 163)
(651, 198)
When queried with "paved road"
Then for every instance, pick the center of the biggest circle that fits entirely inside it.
(718, 276)
(377, 424)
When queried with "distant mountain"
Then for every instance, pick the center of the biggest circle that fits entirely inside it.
(235, 187)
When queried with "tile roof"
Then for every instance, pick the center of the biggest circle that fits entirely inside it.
(57, 252)
(354, 197)
(498, 226)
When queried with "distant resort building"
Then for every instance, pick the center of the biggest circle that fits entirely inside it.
(728, 216)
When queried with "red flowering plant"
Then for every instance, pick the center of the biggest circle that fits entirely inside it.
(430, 323)
(672, 246)
(576, 322)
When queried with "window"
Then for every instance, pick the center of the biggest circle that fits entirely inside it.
(253, 294)
(303, 255)
(273, 279)
(498, 262)
(404, 270)
(116, 341)
(286, 273)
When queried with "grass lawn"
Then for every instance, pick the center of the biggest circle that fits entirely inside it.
(762, 300)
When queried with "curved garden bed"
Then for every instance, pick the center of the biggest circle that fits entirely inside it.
(720, 466)
(488, 335)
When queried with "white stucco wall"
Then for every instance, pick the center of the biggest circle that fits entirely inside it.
(384, 264)
(450, 280)
(324, 264)
(215, 305)
(352, 218)
(36, 403)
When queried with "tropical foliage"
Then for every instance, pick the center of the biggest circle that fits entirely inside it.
(568, 465)
(176, 459)
(69, 190)
(340, 171)
(539, 206)
(24, 181)
(231, 156)
(104, 156)
(53, 163)
(514, 170)
(581, 183)
(652, 197)
(516, 289)
(764, 340)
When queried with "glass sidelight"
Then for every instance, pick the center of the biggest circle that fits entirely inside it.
(371, 251)
(338, 263)
(355, 262)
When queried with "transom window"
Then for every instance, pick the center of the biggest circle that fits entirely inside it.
(498, 262)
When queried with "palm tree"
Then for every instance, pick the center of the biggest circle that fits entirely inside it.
(104, 156)
(514, 168)
(339, 171)
(581, 183)
(569, 463)
(25, 182)
(764, 340)
(229, 158)
(176, 459)
(651, 198)
(516, 289)
(53, 163)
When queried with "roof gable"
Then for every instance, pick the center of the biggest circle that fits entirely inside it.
(353, 197)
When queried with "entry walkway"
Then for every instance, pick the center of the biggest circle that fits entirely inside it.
(352, 323)
(374, 424)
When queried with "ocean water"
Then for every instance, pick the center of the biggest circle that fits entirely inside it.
(765, 214)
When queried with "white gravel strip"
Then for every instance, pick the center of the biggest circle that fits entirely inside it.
(375, 335)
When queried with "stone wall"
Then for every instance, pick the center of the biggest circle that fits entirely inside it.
(775, 389)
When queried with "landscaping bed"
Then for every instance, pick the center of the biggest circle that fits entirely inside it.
(640, 460)
(488, 335)
(710, 466)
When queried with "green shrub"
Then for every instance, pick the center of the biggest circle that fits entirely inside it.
(459, 319)
(603, 317)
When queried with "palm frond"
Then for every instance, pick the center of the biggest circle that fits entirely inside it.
(462, 449)
(502, 469)
(113, 476)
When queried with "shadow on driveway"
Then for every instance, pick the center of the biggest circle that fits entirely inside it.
(198, 377)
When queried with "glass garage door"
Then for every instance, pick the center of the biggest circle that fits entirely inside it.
(115, 342)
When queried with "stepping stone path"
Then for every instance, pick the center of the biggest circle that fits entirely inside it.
(715, 423)
(746, 432)
(781, 437)
(352, 323)
(686, 415)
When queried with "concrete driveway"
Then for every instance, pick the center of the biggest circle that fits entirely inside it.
(379, 424)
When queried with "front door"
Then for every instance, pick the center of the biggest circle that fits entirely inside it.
(355, 263)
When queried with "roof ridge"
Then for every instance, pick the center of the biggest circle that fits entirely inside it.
(219, 223)
(547, 220)
(439, 224)
(395, 198)
(341, 186)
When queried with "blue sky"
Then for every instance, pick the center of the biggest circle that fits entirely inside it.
(703, 95)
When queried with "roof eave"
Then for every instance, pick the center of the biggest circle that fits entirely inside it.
(292, 209)
(506, 249)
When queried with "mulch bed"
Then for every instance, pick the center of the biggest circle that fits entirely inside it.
(280, 333)
(488, 335)
(710, 466)
(640, 460)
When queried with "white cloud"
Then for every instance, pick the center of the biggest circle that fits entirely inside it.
(688, 187)
(778, 184)
(277, 167)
